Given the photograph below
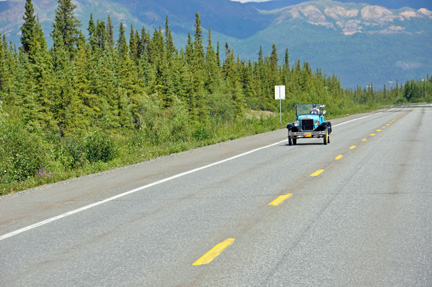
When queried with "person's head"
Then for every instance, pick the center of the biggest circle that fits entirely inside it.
(314, 106)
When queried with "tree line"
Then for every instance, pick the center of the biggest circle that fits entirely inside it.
(92, 102)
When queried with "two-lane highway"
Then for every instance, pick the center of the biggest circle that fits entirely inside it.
(250, 212)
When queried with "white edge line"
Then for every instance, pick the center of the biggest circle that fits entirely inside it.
(75, 211)
(357, 119)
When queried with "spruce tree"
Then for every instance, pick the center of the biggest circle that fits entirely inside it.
(92, 32)
(122, 46)
(66, 26)
(28, 29)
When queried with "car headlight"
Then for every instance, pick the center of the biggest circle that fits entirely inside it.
(317, 122)
(296, 123)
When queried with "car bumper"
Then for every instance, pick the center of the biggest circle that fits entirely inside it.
(308, 134)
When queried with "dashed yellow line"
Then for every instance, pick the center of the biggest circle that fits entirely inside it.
(318, 172)
(214, 252)
(353, 147)
(363, 140)
(339, 157)
(373, 135)
(280, 199)
(378, 130)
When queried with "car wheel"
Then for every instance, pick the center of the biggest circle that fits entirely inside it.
(294, 140)
(328, 138)
(290, 141)
(325, 137)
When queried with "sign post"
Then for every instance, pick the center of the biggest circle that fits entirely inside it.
(280, 95)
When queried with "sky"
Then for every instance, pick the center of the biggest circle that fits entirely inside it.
(244, 1)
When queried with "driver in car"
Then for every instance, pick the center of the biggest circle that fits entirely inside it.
(314, 110)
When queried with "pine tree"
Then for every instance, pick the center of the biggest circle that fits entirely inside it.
(169, 42)
(198, 44)
(66, 26)
(101, 37)
(122, 47)
(28, 29)
(133, 46)
(92, 32)
(109, 33)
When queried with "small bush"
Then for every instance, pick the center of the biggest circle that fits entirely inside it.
(22, 154)
(99, 147)
(75, 154)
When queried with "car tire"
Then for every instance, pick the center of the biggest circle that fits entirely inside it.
(290, 141)
(325, 137)
(294, 141)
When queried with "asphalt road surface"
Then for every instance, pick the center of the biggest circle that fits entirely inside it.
(249, 212)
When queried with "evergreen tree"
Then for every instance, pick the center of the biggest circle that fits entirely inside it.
(122, 47)
(169, 42)
(101, 36)
(133, 45)
(28, 29)
(109, 33)
(66, 26)
(198, 44)
(92, 32)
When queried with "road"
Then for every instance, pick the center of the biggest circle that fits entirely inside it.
(249, 212)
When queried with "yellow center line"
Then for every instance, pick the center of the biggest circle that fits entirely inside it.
(372, 135)
(378, 130)
(280, 199)
(214, 252)
(339, 157)
(353, 147)
(318, 172)
(363, 140)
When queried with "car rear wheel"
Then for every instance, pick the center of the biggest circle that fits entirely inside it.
(290, 140)
(325, 137)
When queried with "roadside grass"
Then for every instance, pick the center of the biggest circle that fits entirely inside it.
(66, 158)
(98, 153)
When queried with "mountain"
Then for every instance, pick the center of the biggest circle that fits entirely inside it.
(389, 4)
(360, 41)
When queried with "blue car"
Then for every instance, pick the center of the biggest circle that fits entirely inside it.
(309, 123)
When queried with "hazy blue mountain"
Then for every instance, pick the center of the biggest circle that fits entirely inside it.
(372, 41)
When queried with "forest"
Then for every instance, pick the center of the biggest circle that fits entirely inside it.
(92, 103)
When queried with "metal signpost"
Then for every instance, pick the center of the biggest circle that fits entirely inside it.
(280, 95)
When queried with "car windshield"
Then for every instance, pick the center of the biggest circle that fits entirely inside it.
(304, 109)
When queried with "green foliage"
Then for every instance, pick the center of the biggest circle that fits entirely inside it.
(91, 104)
(22, 153)
(99, 147)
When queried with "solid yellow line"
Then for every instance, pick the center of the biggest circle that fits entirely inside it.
(318, 172)
(353, 147)
(339, 157)
(214, 252)
(280, 199)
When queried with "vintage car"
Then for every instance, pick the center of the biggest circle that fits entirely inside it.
(309, 124)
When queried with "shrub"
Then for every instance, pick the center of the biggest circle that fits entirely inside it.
(99, 147)
(22, 154)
